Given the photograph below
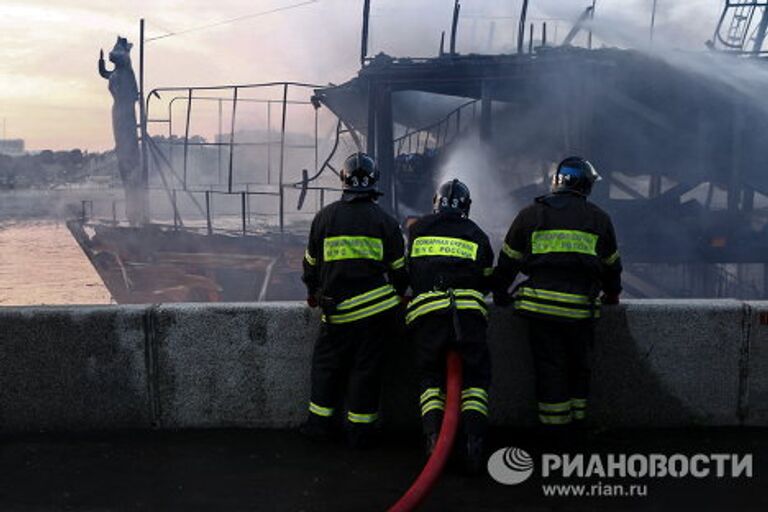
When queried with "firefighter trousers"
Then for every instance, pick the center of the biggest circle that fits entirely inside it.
(561, 356)
(346, 363)
(434, 334)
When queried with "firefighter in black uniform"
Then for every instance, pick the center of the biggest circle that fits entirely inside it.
(354, 269)
(450, 262)
(566, 246)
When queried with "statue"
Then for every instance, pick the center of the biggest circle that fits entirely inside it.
(125, 93)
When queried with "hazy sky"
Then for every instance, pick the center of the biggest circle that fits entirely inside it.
(51, 94)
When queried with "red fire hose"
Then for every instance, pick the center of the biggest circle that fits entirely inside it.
(426, 480)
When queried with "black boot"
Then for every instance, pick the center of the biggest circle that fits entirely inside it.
(474, 458)
(361, 437)
(317, 428)
(430, 441)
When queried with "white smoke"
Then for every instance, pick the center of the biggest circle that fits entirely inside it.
(473, 162)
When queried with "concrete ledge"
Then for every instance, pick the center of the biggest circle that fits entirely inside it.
(662, 363)
(73, 368)
(755, 401)
(657, 363)
(233, 365)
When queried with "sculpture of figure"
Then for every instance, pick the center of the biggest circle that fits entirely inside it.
(125, 93)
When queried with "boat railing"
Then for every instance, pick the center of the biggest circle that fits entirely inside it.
(440, 133)
(171, 148)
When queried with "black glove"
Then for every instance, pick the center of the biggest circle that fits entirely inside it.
(502, 298)
(311, 301)
(610, 299)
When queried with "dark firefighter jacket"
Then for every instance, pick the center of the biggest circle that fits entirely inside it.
(450, 262)
(354, 263)
(567, 248)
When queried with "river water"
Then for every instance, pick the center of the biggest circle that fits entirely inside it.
(40, 263)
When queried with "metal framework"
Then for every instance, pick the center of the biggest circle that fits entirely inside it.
(741, 24)
(229, 96)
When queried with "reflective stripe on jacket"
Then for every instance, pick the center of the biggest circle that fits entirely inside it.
(364, 305)
(552, 303)
(431, 302)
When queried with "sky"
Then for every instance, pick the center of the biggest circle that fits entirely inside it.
(52, 96)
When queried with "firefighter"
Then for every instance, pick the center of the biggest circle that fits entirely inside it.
(354, 270)
(450, 262)
(566, 246)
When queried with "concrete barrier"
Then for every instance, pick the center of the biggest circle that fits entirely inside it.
(232, 365)
(662, 363)
(67, 368)
(657, 363)
(755, 376)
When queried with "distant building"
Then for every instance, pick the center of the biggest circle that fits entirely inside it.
(12, 147)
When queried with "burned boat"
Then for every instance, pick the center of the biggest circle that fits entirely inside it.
(677, 137)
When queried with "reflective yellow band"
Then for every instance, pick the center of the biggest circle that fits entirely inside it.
(546, 309)
(427, 308)
(433, 401)
(464, 294)
(443, 246)
(511, 253)
(556, 407)
(339, 248)
(578, 403)
(444, 304)
(471, 304)
(610, 260)
(432, 393)
(432, 406)
(363, 313)
(325, 412)
(460, 293)
(488, 271)
(476, 302)
(563, 240)
(579, 414)
(398, 264)
(312, 261)
(475, 393)
(570, 298)
(425, 296)
(357, 300)
(475, 406)
(362, 418)
(555, 420)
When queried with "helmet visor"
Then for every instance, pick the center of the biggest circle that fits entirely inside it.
(589, 172)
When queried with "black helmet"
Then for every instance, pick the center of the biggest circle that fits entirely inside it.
(575, 174)
(359, 174)
(452, 196)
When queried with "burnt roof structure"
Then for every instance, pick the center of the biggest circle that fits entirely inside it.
(684, 122)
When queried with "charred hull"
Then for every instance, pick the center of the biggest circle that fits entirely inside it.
(160, 264)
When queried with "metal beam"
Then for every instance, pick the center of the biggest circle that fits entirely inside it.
(521, 27)
(364, 39)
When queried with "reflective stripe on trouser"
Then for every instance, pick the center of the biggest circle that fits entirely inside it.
(579, 408)
(365, 418)
(474, 400)
(319, 410)
(346, 368)
(432, 399)
(432, 336)
(555, 413)
(561, 359)
(557, 304)
(364, 305)
(429, 302)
